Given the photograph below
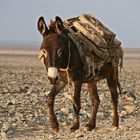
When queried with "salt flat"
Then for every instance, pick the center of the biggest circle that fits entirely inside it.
(23, 82)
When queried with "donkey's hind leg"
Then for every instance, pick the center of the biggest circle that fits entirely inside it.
(112, 83)
(76, 105)
(92, 88)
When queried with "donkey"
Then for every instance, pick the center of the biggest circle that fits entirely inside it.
(58, 52)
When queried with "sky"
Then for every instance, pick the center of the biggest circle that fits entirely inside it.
(18, 18)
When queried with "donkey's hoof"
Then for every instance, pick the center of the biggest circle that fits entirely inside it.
(56, 129)
(74, 128)
(114, 127)
(89, 127)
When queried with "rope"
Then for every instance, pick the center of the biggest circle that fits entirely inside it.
(68, 78)
(67, 68)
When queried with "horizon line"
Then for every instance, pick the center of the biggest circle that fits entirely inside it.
(10, 43)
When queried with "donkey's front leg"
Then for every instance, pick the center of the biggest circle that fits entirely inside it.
(50, 103)
(76, 105)
(92, 89)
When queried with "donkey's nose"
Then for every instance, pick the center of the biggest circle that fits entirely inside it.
(53, 80)
(53, 74)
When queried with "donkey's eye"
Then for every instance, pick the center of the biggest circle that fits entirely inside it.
(59, 53)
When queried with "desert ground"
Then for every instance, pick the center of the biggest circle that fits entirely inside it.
(23, 111)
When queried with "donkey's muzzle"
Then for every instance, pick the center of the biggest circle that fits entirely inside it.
(53, 80)
(53, 75)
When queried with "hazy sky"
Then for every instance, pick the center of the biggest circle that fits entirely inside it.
(18, 18)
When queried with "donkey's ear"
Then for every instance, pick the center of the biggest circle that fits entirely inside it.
(58, 24)
(42, 26)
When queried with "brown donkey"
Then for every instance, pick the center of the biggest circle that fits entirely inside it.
(59, 52)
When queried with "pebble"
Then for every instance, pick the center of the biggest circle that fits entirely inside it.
(14, 126)
(65, 110)
(138, 124)
(6, 126)
(79, 135)
(4, 136)
(123, 113)
(129, 108)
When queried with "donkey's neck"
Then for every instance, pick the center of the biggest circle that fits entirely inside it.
(74, 62)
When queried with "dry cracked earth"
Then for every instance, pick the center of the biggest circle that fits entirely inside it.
(23, 111)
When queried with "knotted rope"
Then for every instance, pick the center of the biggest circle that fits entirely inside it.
(68, 94)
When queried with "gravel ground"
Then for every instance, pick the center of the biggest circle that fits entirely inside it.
(23, 111)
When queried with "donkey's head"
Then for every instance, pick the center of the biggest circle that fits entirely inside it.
(53, 50)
